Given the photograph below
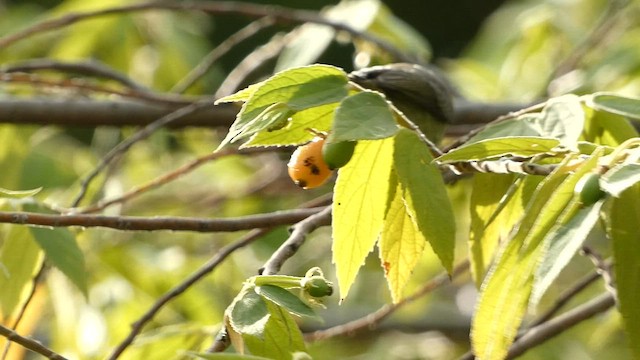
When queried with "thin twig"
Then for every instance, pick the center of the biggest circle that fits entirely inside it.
(140, 135)
(250, 63)
(295, 240)
(280, 14)
(229, 43)
(92, 68)
(137, 223)
(546, 331)
(609, 20)
(603, 268)
(30, 344)
(23, 308)
(371, 320)
(565, 297)
(78, 85)
(163, 179)
(205, 269)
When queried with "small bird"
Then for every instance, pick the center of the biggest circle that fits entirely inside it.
(422, 94)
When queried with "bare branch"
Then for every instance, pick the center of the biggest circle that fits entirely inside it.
(164, 179)
(280, 14)
(140, 135)
(205, 269)
(371, 320)
(295, 240)
(89, 68)
(209, 60)
(30, 344)
(136, 223)
(91, 113)
(546, 331)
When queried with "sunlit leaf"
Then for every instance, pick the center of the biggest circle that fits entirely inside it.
(524, 125)
(488, 221)
(401, 244)
(564, 241)
(281, 336)
(284, 94)
(425, 194)
(620, 178)
(605, 128)
(62, 251)
(616, 104)
(359, 204)
(286, 300)
(363, 116)
(168, 342)
(563, 119)
(505, 293)
(622, 227)
(249, 313)
(525, 146)
(20, 259)
(297, 132)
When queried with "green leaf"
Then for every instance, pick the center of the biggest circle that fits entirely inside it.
(401, 244)
(249, 313)
(363, 116)
(287, 300)
(564, 241)
(242, 95)
(297, 132)
(489, 220)
(605, 128)
(524, 125)
(18, 193)
(20, 259)
(281, 337)
(505, 293)
(359, 204)
(425, 194)
(563, 119)
(285, 93)
(622, 227)
(615, 104)
(620, 178)
(169, 342)
(525, 146)
(62, 251)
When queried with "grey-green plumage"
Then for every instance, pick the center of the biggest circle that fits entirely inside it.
(419, 92)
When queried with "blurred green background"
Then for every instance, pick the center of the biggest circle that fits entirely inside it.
(494, 51)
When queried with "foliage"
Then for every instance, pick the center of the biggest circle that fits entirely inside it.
(550, 182)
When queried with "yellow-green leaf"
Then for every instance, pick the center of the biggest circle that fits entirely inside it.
(489, 221)
(359, 206)
(401, 244)
(622, 226)
(20, 259)
(505, 293)
(525, 146)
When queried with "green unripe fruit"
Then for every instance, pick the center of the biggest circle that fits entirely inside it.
(588, 188)
(317, 286)
(337, 155)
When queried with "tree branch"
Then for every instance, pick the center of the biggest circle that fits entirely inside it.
(371, 320)
(30, 344)
(135, 223)
(295, 240)
(280, 14)
(541, 333)
(205, 269)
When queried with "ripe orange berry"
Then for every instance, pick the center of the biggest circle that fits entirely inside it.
(307, 168)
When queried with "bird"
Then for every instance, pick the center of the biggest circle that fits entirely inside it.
(420, 92)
